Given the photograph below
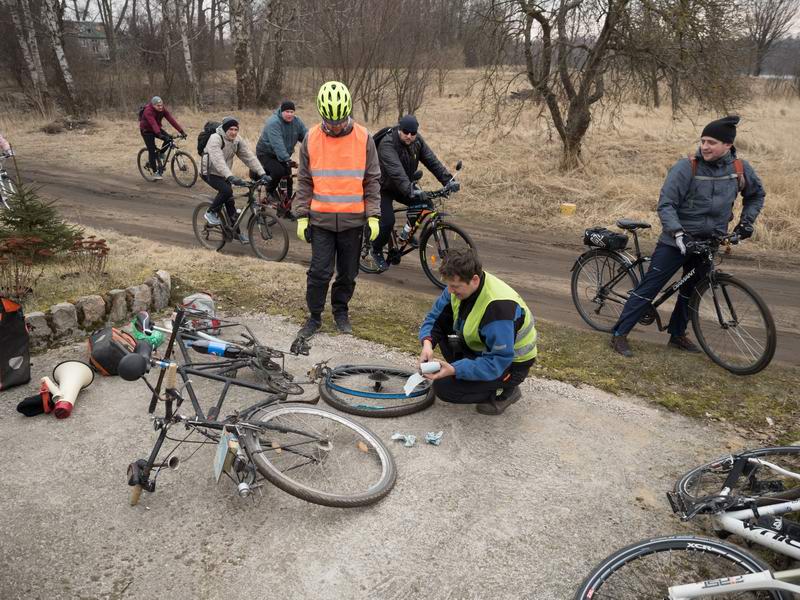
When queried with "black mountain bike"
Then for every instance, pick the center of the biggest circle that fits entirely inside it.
(312, 453)
(437, 236)
(181, 164)
(267, 236)
(732, 323)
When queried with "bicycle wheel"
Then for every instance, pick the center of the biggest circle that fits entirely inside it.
(365, 261)
(144, 169)
(435, 241)
(184, 169)
(598, 305)
(268, 237)
(319, 456)
(7, 190)
(646, 570)
(759, 482)
(733, 324)
(374, 391)
(209, 236)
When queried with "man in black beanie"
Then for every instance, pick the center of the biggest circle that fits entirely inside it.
(696, 202)
(400, 151)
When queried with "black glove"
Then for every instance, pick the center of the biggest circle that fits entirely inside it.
(744, 230)
(182, 135)
(233, 180)
(453, 185)
(265, 179)
(287, 164)
(418, 197)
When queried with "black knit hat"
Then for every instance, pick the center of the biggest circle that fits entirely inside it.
(229, 122)
(723, 129)
(408, 123)
(287, 105)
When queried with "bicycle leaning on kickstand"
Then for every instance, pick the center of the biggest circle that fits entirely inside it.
(746, 494)
(733, 325)
(312, 453)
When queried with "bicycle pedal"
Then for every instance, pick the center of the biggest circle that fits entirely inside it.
(677, 503)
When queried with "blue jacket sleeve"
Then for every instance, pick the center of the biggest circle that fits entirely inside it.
(302, 130)
(499, 339)
(430, 319)
(275, 137)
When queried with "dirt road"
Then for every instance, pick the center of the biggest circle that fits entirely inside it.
(536, 264)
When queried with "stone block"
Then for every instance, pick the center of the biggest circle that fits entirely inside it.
(159, 292)
(63, 319)
(139, 297)
(117, 306)
(39, 329)
(91, 311)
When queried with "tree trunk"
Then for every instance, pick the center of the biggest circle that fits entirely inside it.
(654, 86)
(26, 37)
(53, 23)
(242, 60)
(180, 23)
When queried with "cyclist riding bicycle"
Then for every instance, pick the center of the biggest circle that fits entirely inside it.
(696, 202)
(150, 127)
(215, 169)
(281, 132)
(400, 152)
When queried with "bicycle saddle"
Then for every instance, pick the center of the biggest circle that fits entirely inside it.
(631, 224)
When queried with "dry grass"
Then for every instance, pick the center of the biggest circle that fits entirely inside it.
(510, 170)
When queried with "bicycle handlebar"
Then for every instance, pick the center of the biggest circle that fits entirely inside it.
(700, 246)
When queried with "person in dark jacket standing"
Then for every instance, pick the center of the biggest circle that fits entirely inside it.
(281, 132)
(691, 206)
(400, 152)
(338, 192)
(150, 128)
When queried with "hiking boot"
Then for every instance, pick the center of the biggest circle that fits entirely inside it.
(619, 343)
(343, 324)
(682, 342)
(500, 403)
(377, 258)
(212, 219)
(311, 327)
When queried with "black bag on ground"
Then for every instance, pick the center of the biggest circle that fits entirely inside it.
(107, 346)
(600, 237)
(15, 357)
(209, 129)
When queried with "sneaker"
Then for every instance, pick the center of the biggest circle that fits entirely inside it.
(619, 344)
(682, 342)
(212, 219)
(311, 327)
(243, 238)
(158, 175)
(343, 324)
(377, 258)
(500, 403)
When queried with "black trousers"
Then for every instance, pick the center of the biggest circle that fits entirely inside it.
(224, 195)
(387, 219)
(329, 248)
(462, 391)
(276, 170)
(150, 141)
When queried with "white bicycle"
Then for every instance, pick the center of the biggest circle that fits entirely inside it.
(7, 188)
(747, 495)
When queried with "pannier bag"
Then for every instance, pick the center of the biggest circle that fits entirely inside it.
(204, 303)
(600, 237)
(15, 358)
(107, 347)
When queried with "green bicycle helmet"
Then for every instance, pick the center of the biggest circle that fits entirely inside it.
(334, 102)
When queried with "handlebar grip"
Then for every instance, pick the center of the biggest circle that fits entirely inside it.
(137, 363)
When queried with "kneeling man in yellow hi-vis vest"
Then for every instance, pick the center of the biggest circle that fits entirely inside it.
(338, 192)
(485, 332)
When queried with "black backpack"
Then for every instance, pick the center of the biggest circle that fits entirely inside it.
(209, 129)
(380, 134)
(140, 112)
(107, 347)
(15, 363)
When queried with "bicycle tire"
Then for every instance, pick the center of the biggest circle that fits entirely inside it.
(141, 162)
(184, 163)
(209, 236)
(749, 326)
(442, 242)
(591, 272)
(347, 388)
(301, 435)
(365, 262)
(641, 571)
(268, 237)
(708, 479)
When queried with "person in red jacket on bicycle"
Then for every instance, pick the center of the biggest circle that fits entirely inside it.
(150, 127)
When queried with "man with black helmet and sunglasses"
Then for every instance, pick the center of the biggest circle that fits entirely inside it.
(400, 151)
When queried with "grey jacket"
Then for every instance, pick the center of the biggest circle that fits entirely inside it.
(702, 205)
(218, 156)
(399, 163)
(278, 138)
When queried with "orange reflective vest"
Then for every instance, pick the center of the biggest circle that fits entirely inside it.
(337, 167)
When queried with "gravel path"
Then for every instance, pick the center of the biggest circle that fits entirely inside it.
(516, 506)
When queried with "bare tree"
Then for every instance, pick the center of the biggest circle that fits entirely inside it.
(767, 22)
(181, 24)
(52, 19)
(243, 60)
(29, 47)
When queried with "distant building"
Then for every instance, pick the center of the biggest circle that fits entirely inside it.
(90, 37)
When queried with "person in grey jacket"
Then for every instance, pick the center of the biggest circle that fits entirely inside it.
(215, 168)
(400, 152)
(281, 132)
(691, 206)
